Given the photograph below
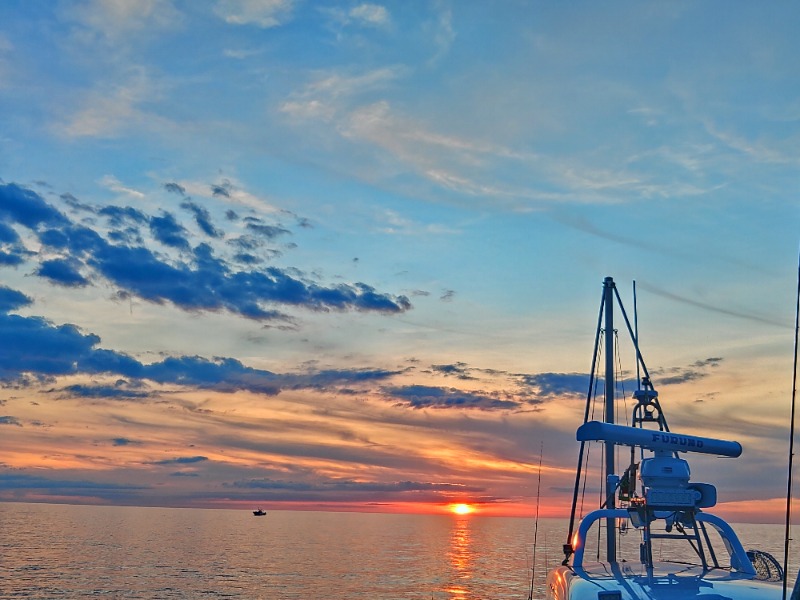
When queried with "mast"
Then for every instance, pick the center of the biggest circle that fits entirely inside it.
(611, 539)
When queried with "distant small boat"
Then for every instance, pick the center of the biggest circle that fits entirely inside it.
(259, 513)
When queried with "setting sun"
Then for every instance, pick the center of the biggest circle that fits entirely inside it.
(462, 509)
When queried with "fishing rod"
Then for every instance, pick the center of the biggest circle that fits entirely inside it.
(536, 526)
(791, 442)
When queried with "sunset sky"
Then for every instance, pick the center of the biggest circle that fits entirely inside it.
(349, 256)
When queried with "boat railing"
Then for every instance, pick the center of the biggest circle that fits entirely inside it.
(739, 561)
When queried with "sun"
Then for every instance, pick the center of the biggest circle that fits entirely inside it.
(462, 509)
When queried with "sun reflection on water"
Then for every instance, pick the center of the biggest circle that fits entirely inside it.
(462, 557)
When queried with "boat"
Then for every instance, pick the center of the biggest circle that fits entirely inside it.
(651, 536)
(259, 513)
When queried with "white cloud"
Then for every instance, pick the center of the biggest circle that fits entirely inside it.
(236, 194)
(262, 13)
(111, 19)
(755, 150)
(109, 108)
(370, 14)
(115, 185)
(242, 53)
(443, 34)
(324, 98)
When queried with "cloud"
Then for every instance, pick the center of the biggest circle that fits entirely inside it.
(325, 379)
(262, 13)
(169, 232)
(459, 370)
(202, 281)
(203, 219)
(105, 392)
(370, 14)
(548, 385)
(183, 460)
(34, 346)
(349, 485)
(8, 420)
(119, 215)
(62, 272)
(175, 188)
(26, 207)
(105, 111)
(443, 34)
(120, 441)
(12, 482)
(750, 316)
(113, 19)
(677, 375)
(12, 299)
(423, 396)
(267, 231)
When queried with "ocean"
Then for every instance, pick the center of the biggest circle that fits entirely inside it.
(61, 551)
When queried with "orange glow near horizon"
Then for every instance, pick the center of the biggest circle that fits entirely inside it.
(462, 509)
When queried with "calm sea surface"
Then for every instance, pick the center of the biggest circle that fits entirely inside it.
(59, 551)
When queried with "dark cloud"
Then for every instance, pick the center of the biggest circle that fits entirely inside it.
(182, 460)
(423, 396)
(331, 377)
(26, 207)
(104, 392)
(62, 271)
(203, 219)
(269, 232)
(175, 188)
(8, 420)
(353, 486)
(124, 442)
(33, 345)
(8, 235)
(169, 232)
(459, 370)
(204, 282)
(247, 259)
(12, 257)
(222, 190)
(12, 250)
(75, 204)
(13, 481)
(12, 299)
(557, 384)
(224, 374)
(676, 375)
(119, 216)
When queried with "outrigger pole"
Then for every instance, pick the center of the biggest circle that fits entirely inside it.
(611, 526)
(791, 443)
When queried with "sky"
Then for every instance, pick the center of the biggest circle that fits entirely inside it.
(349, 255)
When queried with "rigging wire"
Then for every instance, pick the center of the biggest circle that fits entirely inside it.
(567, 547)
(791, 440)
(590, 415)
